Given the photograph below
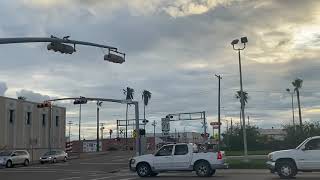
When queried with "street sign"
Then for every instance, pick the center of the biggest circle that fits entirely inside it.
(215, 125)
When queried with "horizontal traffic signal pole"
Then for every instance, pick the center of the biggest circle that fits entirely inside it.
(51, 39)
(58, 44)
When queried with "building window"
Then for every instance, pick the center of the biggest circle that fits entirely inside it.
(57, 121)
(28, 118)
(43, 120)
(11, 114)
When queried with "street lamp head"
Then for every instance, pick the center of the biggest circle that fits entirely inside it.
(234, 42)
(244, 40)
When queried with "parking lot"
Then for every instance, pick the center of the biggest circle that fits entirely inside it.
(115, 166)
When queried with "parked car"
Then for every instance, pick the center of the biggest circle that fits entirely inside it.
(178, 157)
(54, 156)
(305, 158)
(9, 158)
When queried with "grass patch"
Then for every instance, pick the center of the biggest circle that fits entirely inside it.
(250, 164)
(240, 153)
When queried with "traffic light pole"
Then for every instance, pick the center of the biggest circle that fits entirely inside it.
(51, 39)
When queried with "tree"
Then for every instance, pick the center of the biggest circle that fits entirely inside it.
(245, 99)
(234, 141)
(297, 84)
(128, 92)
(146, 96)
(293, 138)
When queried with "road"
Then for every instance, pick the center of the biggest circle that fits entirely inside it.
(114, 166)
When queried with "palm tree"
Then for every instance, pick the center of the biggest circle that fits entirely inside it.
(245, 99)
(146, 96)
(297, 84)
(128, 92)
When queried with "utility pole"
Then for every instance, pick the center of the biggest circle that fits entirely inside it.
(154, 133)
(219, 120)
(231, 128)
(248, 121)
(70, 123)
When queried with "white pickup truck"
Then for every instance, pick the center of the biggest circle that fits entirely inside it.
(178, 157)
(305, 158)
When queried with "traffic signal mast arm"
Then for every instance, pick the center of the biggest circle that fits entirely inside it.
(51, 39)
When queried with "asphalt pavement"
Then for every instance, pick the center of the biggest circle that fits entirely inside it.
(114, 166)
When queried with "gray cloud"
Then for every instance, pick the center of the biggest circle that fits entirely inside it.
(173, 57)
(3, 88)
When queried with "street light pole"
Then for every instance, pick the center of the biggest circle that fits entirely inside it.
(80, 124)
(244, 40)
(292, 93)
(219, 120)
(154, 133)
(98, 109)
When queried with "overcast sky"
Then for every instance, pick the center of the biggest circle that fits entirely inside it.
(173, 49)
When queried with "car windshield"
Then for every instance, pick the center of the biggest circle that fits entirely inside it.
(50, 153)
(302, 143)
(5, 153)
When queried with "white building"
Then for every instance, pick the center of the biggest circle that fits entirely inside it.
(24, 126)
(277, 134)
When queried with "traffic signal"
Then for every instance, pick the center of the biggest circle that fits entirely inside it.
(62, 48)
(114, 58)
(44, 104)
(82, 100)
(145, 121)
(142, 132)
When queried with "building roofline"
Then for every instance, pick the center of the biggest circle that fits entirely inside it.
(32, 102)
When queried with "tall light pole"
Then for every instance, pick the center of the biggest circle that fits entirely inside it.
(154, 133)
(219, 120)
(244, 40)
(99, 103)
(292, 93)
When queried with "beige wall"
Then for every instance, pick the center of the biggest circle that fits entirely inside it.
(33, 136)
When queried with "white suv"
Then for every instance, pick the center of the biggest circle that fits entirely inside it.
(305, 158)
(9, 158)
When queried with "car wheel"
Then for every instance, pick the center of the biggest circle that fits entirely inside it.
(26, 162)
(286, 169)
(143, 170)
(153, 174)
(9, 164)
(54, 160)
(65, 159)
(203, 169)
(213, 171)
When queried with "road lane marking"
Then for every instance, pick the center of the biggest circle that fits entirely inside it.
(129, 178)
(108, 177)
(28, 171)
(115, 163)
(69, 178)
